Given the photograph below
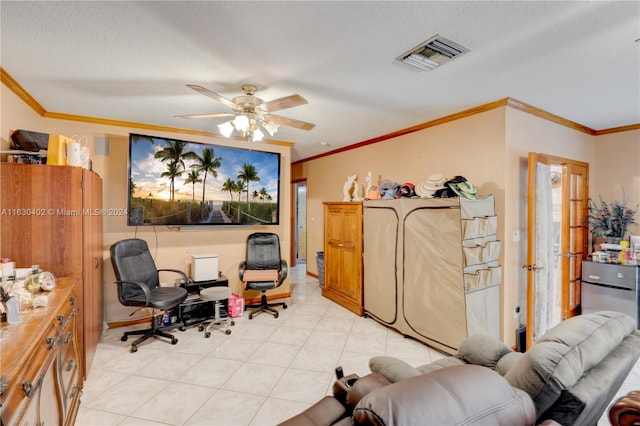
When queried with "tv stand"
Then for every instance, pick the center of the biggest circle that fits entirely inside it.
(195, 310)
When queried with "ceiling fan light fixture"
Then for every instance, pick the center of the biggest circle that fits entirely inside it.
(251, 112)
(241, 123)
(257, 135)
(226, 128)
(270, 127)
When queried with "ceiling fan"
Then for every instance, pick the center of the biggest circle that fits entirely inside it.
(251, 113)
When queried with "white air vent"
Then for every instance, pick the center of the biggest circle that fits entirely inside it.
(432, 53)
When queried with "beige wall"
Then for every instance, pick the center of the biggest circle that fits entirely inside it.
(527, 133)
(15, 114)
(617, 167)
(490, 149)
(473, 147)
(169, 245)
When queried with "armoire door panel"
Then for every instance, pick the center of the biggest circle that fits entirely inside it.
(432, 279)
(381, 251)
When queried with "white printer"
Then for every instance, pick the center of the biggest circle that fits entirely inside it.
(204, 267)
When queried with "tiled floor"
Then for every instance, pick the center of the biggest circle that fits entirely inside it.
(266, 371)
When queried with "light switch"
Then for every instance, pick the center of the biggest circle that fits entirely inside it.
(516, 236)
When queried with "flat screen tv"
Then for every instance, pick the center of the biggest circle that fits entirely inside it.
(179, 183)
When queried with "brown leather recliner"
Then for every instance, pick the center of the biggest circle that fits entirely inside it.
(464, 394)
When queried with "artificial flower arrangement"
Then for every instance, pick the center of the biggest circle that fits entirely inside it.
(612, 220)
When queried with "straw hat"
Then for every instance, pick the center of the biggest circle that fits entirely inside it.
(428, 187)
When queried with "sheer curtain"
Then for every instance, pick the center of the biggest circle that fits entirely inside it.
(545, 287)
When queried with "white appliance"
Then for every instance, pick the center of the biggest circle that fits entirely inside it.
(204, 267)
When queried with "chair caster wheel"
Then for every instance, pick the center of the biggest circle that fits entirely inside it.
(124, 338)
(227, 332)
(174, 341)
(233, 323)
(284, 306)
(182, 328)
(200, 328)
(275, 315)
(207, 334)
(134, 348)
(250, 316)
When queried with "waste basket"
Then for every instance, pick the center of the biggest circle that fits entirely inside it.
(320, 265)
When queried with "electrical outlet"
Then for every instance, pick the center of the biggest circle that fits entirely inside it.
(516, 312)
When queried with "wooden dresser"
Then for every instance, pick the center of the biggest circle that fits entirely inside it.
(52, 217)
(41, 378)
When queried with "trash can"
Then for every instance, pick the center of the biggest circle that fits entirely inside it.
(320, 265)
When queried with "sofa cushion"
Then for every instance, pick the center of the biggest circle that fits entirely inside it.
(462, 394)
(480, 349)
(394, 369)
(507, 362)
(562, 355)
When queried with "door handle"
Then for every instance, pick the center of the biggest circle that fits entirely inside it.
(532, 267)
(569, 255)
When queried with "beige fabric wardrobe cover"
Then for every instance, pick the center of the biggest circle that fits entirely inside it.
(415, 264)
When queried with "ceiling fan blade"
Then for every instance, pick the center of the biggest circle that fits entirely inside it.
(214, 95)
(218, 114)
(283, 103)
(285, 121)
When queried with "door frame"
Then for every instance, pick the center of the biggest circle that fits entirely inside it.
(569, 307)
(294, 220)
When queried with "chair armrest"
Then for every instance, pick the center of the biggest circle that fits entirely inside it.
(241, 268)
(142, 286)
(185, 279)
(284, 270)
(393, 369)
(625, 410)
(324, 412)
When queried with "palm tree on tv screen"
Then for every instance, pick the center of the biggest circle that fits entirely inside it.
(248, 174)
(206, 163)
(174, 154)
(241, 186)
(173, 171)
(192, 178)
(229, 185)
(263, 193)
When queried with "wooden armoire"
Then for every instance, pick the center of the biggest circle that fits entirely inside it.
(343, 254)
(51, 216)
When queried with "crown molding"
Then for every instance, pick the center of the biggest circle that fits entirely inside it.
(16, 88)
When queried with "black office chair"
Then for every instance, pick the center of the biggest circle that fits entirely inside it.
(263, 270)
(139, 285)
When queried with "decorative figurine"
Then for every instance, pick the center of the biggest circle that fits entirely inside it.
(369, 180)
(357, 193)
(346, 189)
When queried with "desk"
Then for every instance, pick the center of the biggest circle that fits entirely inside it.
(195, 310)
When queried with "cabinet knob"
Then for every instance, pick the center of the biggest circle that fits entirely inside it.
(29, 388)
(3, 385)
(62, 320)
(71, 364)
(51, 341)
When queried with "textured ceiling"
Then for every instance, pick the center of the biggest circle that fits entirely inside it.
(130, 61)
